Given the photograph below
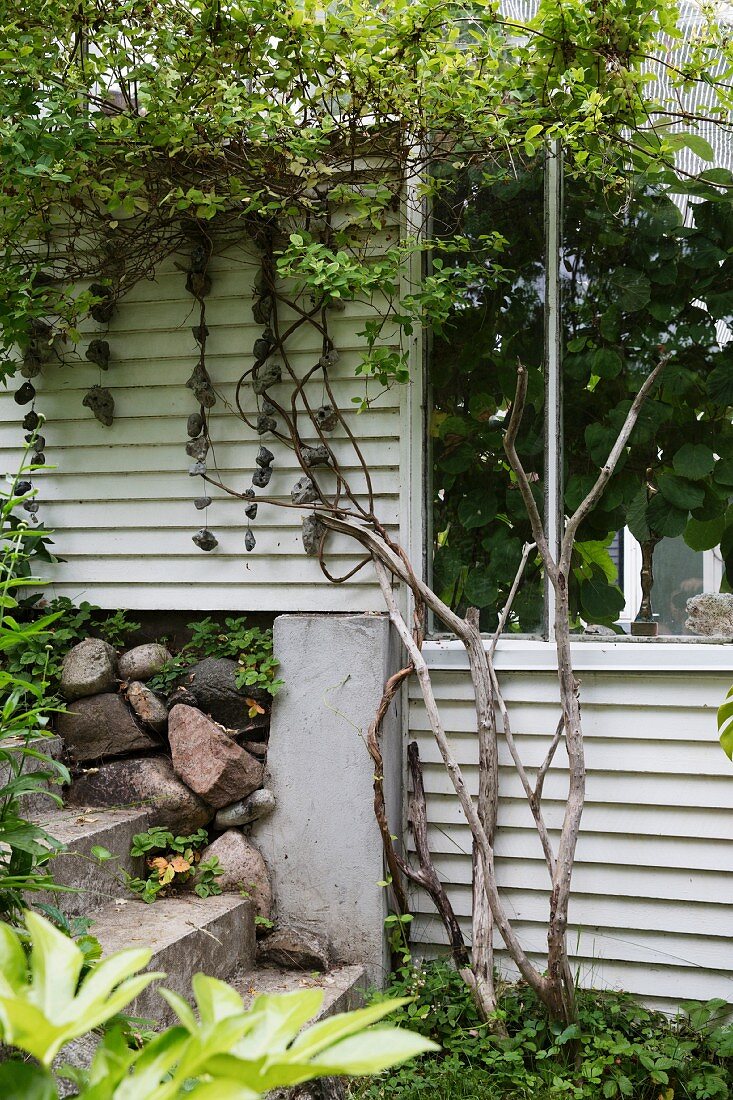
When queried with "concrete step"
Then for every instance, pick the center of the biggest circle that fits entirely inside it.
(343, 986)
(188, 934)
(80, 831)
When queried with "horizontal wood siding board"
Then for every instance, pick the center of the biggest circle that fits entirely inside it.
(652, 901)
(119, 499)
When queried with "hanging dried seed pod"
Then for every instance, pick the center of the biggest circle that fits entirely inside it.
(25, 394)
(268, 409)
(39, 441)
(98, 352)
(197, 469)
(249, 493)
(200, 384)
(102, 404)
(201, 502)
(263, 345)
(326, 418)
(266, 424)
(268, 375)
(102, 312)
(198, 283)
(315, 456)
(264, 457)
(200, 256)
(338, 305)
(200, 332)
(31, 420)
(194, 425)
(32, 365)
(31, 506)
(304, 492)
(38, 459)
(313, 531)
(198, 448)
(22, 488)
(251, 511)
(249, 542)
(261, 476)
(205, 539)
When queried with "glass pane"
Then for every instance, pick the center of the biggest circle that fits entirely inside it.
(644, 269)
(479, 523)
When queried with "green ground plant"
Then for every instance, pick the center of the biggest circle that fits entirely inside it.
(227, 1053)
(26, 768)
(172, 861)
(249, 646)
(618, 1048)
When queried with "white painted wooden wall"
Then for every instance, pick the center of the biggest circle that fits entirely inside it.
(652, 908)
(120, 499)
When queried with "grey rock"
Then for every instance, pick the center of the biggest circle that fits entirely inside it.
(197, 469)
(102, 404)
(208, 760)
(264, 456)
(149, 707)
(198, 283)
(200, 332)
(326, 418)
(88, 669)
(147, 781)
(214, 687)
(268, 375)
(98, 352)
(246, 810)
(205, 539)
(317, 455)
(181, 695)
(143, 662)
(266, 424)
(313, 530)
(25, 394)
(268, 409)
(711, 614)
(256, 748)
(101, 725)
(249, 542)
(262, 309)
(261, 476)
(200, 384)
(198, 448)
(251, 511)
(244, 869)
(102, 311)
(304, 492)
(201, 502)
(598, 630)
(263, 345)
(295, 949)
(194, 425)
(330, 359)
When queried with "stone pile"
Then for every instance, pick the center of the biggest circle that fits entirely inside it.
(190, 760)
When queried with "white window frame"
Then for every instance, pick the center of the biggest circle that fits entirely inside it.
(622, 653)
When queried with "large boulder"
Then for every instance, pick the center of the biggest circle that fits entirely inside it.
(101, 725)
(89, 669)
(244, 869)
(213, 684)
(149, 707)
(294, 949)
(246, 810)
(208, 760)
(143, 662)
(148, 781)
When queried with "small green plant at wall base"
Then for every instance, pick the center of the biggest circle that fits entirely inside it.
(173, 861)
(250, 647)
(220, 1052)
(618, 1048)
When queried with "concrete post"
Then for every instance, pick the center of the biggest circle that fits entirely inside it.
(322, 843)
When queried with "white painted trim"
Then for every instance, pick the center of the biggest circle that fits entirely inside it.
(553, 369)
(611, 655)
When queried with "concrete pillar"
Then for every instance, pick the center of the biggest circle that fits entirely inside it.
(322, 843)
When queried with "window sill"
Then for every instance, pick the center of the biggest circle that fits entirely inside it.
(621, 654)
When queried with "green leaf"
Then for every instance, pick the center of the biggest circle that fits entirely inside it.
(694, 461)
(723, 474)
(720, 384)
(606, 363)
(664, 518)
(23, 1081)
(704, 534)
(725, 724)
(680, 492)
(600, 601)
(633, 288)
(636, 517)
(480, 589)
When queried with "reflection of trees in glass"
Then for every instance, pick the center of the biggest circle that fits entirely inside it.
(479, 521)
(633, 281)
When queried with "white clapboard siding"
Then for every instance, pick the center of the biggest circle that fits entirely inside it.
(652, 905)
(119, 500)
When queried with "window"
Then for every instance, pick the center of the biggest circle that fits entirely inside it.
(587, 286)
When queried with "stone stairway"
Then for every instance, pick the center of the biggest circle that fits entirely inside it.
(187, 934)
